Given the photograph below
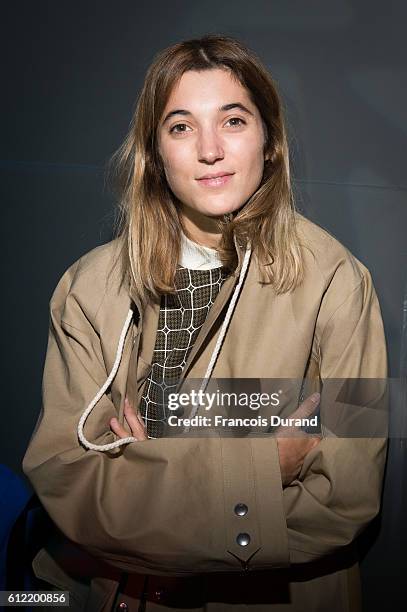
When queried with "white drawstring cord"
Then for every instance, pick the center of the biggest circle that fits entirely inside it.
(105, 447)
(223, 330)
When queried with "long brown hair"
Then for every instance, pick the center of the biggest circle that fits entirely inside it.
(148, 226)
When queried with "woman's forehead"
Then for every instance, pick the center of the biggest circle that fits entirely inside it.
(209, 89)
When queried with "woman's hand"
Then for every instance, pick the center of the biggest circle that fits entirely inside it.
(293, 443)
(134, 420)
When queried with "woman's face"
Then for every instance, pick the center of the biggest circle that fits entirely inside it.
(211, 127)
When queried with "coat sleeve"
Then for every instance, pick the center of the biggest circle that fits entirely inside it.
(339, 488)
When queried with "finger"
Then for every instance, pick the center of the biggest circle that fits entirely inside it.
(141, 419)
(129, 409)
(307, 407)
(129, 406)
(118, 428)
(137, 427)
(304, 410)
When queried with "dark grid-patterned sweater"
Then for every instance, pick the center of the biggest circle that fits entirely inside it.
(181, 316)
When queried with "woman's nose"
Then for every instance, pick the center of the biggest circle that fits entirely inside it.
(209, 147)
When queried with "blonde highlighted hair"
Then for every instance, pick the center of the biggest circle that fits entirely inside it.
(148, 226)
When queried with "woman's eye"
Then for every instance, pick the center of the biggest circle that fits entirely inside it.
(236, 119)
(178, 125)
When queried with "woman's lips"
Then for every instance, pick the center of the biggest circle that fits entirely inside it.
(219, 181)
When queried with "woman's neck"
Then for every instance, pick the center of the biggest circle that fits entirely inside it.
(199, 228)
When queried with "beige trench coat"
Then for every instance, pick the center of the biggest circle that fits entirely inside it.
(165, 507)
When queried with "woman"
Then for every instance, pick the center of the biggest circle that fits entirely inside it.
(213, 275)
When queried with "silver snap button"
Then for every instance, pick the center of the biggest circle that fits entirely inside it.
(243, 539)
(241, 509)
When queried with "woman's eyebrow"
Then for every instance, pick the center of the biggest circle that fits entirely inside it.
(225, 107)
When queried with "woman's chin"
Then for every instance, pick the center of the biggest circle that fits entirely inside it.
(218, 212)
